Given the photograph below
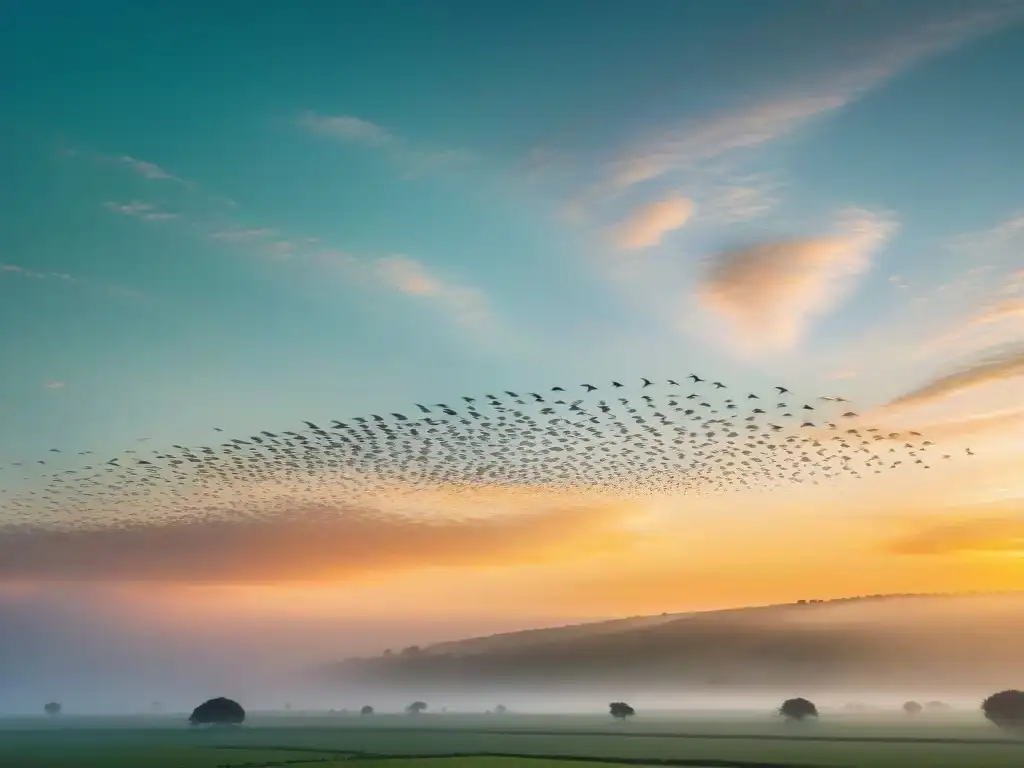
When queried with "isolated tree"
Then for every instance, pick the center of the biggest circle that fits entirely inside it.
(416, 707)
(798, 709)
(219, 711)
(620, 710)
(912, 708)
(367, 710)
(937, 706)
(500, 709)
(1005, 709)
(53, 708)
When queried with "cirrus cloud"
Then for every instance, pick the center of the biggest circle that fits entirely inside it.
(1007, 365)
(468, 306)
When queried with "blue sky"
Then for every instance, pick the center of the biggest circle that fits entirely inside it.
(311, 210)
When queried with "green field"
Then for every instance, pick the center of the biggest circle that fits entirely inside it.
(508, 741)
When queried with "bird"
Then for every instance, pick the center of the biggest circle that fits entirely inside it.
(643, 443)
(695, 378)
(589, 387)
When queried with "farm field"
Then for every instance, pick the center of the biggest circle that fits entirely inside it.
(851, 741)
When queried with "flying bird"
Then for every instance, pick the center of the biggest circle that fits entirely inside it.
(636, 446)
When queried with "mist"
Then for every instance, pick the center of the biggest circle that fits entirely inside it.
(107, 651)
(873, 651)
(110, 650)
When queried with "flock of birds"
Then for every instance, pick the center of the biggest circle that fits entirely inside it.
(689, 437)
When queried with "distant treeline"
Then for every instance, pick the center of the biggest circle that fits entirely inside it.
(751, 647)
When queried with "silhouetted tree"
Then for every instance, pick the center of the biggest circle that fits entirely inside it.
(500, 709)
(798, 709)
(53, 708)
(416, 707)
(367, 710)
(937, 706)
(219, 711)
(620, 710)
(912, 708)
(1005, 709)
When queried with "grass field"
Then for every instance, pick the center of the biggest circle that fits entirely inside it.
(851, 741)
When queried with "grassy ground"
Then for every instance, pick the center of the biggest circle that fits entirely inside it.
(848, 741)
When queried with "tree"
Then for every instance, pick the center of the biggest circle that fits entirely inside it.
(367, 710)
(53, 708)
(620, 710)
(500, 709)
(912, 708)
(798, 709)
(937, 706)
(416, 707)
(1005, 709)
(219, 711)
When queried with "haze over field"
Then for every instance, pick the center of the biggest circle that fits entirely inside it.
(226, 233)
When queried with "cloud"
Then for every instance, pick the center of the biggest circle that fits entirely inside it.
(145, 211)
(413, 160)
(1005, 366)
(1011, 309)
(149, 170)
(54, 384)
(347, 127)
(996, 534)
(697, 142)
(648, 225)
(769, 293)
(467, 305)
(708, 139)
(242, 235)
(68, 279)
(311, 544)
(745, 199)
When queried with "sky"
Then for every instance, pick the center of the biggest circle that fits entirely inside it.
(316, 210)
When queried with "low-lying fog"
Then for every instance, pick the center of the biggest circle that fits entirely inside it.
(97, 658)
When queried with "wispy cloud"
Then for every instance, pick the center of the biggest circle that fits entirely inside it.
(234, 235)
(741, 199)
(147, 169)
(68, 279)
(769, 293)
(144, 211)
(54, 384)
(347, 127)
(696, 142)
(1007, 365)
(995, 323)
(413, 160)
(468, 306)
(649, 224)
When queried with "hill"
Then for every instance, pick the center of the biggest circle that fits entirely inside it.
(934, 640)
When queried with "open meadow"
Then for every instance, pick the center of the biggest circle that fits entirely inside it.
(876, 740)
